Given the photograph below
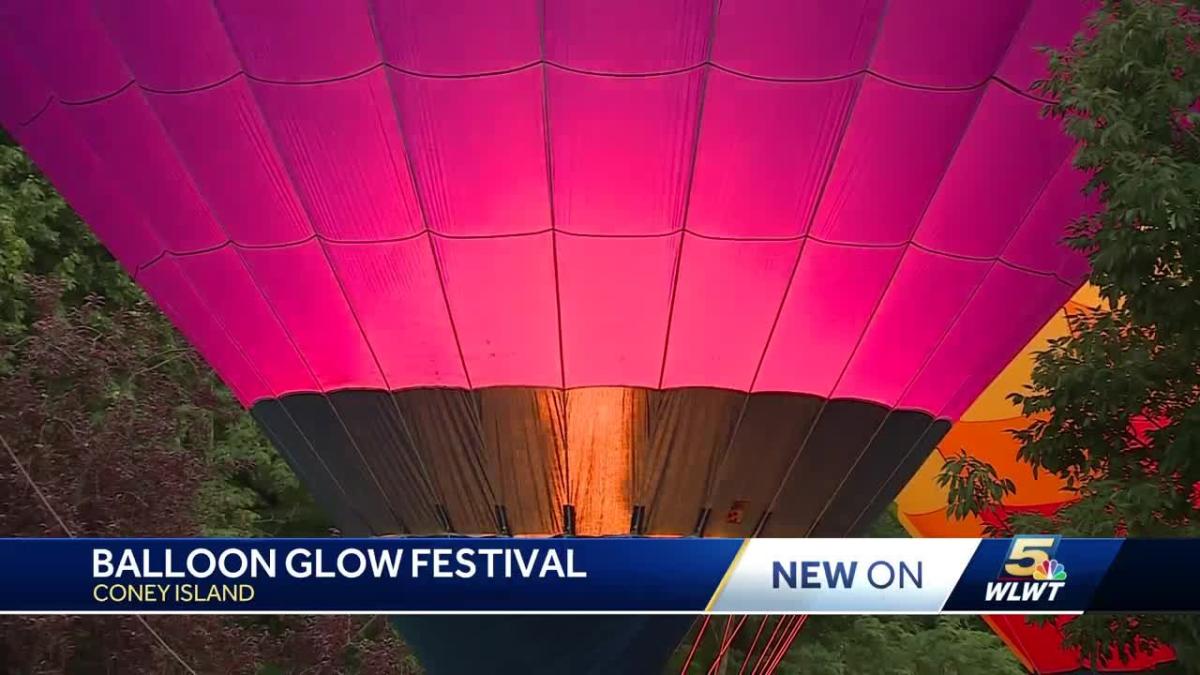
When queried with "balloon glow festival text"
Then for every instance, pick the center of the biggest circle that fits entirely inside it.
(350, 563)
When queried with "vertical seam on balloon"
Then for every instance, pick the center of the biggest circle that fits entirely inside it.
(481, 473)
(702, 94)
(476, 422)
(958, 315)
(274, 439)
(818, 198)
(285, 164)
(395, 405)
(548, 149)
(421, 206)
(886, 288)
(919, 442)
(788, 286)
(199, 296)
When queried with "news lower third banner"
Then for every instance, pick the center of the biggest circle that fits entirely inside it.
(1027, 574)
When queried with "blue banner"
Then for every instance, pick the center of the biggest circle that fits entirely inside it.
(360, 575)
(1026, 574)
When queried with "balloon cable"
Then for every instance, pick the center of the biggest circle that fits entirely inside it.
(773, 641)
(727, 642)
(61, 523)
(753, 643)
(786, 645)
(695, 644)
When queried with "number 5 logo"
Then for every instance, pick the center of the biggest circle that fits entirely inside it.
(1034, 550)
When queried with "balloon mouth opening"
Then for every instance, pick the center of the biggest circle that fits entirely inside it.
(597, 461)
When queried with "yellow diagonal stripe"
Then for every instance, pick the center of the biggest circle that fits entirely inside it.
(728, 573)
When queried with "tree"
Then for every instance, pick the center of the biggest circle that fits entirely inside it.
(842, 645)
(99, 410)
(1115, 403)
(41, 236)
(904, 645)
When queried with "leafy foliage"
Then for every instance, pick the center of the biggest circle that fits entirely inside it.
(1115, 403)
(973, 486)
(252, 492)
(40, 235)
(837, 645)
(126, 433)
(845, 645)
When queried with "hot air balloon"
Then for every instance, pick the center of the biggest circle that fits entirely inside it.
(505, 267)
(983, 432)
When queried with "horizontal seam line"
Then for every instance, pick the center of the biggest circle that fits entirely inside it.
(890, 408)
(999, 259)
(571, 69)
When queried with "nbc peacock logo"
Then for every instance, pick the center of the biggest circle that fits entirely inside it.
(1050, 570)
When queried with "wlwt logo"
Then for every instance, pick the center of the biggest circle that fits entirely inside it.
(1030, 572)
